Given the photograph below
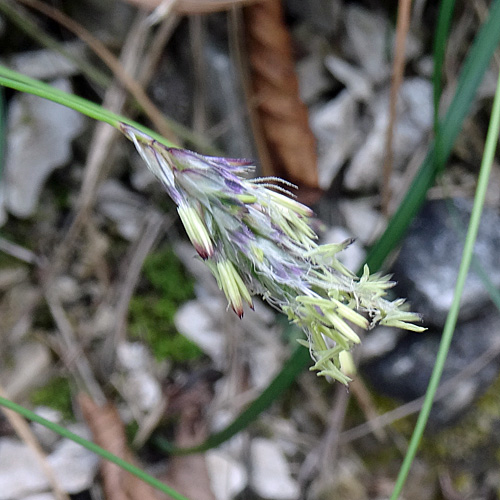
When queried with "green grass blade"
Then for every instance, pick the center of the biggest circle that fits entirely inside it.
(442, 30)
(451, 320)
(3, 131)
(299, 359)
(13, 79)
(476, 265)
(443, 27)
(472, 73)
(26, 24)
(93, 448)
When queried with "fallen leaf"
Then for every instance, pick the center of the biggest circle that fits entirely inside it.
(287, 147)
(109, 433)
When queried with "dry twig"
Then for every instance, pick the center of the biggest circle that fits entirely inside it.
(104, 137)
(25, 433)
(72, 353)
(402, 28)
(122, 74)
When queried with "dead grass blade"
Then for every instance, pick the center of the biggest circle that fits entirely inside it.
(402, 28)
(71, 352)
(281, 118)
(103, 139)
(188, 474)
(122, 75)
(109, 432)
(25, 433)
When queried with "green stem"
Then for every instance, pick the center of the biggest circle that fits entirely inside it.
(451, 320)
(93, 448)
(474, 67)
(3, 131)
(25, 23)
(17, 81)
(443, 27)
(442, 30)
(299, 359)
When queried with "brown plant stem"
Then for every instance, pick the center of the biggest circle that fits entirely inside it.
(402, 28)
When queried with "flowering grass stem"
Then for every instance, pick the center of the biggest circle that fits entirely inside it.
(258, 240)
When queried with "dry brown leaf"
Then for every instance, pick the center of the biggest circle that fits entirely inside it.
(282, 120)
(109, 432)
(189, 475)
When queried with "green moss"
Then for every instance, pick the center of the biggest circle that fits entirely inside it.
(152, 310)
(477, 430)
(57, 395)
(168, 276)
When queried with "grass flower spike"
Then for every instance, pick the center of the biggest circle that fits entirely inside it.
(257, 240)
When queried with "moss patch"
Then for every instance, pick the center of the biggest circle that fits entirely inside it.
(167, 286)
(55, 394)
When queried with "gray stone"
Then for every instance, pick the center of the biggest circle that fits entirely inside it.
(271, 477)
(400, 364)
(334, 126)
(39, 140)
(125, 208)
(427, 266)
(405, 372)
(413, 123)
(47, 64)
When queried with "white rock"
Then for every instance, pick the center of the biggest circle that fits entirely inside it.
(366, 41)
(265, 363)
(143, 389)
(370, 42)
(195, 322)
(133, 356)
(362, 219)
(46, 437)
(38, 141)
(74, 466)
(353, 256)
(67, 289)
(356, 82)
(227, 476)
(270, 472)
(413, 123)
(20, 472)
(311, 76)
(46, 64)
(40, 496)
(124, 208)
(379, 341)
(334, 126)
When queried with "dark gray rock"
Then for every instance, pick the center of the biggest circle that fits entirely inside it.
(405, 372)
(427, 266)
(399, 364)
